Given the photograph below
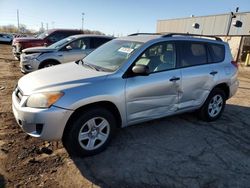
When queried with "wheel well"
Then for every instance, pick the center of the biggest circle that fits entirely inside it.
(224, 87)
(104, 104)
(48, 60)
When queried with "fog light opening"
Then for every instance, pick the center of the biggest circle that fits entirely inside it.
(39, 128)
(20, 122)
(28, 67)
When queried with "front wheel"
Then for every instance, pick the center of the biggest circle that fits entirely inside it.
(213, 106)
(91, 132)
(47, 64)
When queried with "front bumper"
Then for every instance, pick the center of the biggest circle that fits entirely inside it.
(16, 51)
(28, 65)
(46, 124)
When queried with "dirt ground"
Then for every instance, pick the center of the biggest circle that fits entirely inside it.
(178, 151)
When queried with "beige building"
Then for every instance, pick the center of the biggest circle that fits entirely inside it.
(231, 27)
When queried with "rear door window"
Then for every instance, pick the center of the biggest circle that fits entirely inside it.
(192, 54)
(217, 53)
(96, 42)
(85, 43)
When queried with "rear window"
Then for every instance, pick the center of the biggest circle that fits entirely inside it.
(217, 53)
(193, 54)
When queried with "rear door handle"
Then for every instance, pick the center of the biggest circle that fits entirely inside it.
(60, 55)
(174, 79)
(213, 73)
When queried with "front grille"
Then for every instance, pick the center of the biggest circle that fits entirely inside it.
(18, 94)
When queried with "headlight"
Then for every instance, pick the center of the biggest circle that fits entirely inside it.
(43, 100)
(31, 56)
(18, 46)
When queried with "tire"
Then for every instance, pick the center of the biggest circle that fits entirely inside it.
(47, 64)
(90, 133)
(213, 106)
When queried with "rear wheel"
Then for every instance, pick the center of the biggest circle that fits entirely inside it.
(214, 105)
(90, 133)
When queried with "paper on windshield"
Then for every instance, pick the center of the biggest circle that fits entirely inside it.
(126, 50)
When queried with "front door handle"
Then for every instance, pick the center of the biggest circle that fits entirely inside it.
(174, 79)
(213, 73)
(60, 55)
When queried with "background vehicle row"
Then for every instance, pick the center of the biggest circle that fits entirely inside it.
(70, 49)
(44, 39)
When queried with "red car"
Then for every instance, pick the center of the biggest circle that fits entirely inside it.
(44, 39)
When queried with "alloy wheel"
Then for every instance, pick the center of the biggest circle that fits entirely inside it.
(94, 133)
(215, 105)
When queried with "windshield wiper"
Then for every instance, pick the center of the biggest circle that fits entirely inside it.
(103, 69)
(95, 67)
(89, 65)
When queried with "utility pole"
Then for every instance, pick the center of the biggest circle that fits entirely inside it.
(42, 29)
(17, 14)
(82, 20)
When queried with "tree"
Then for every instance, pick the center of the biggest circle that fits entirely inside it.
(14, 29)
(23, 28)
(8, 29)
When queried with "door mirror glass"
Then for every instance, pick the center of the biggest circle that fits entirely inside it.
(141, 70)
(68, 47)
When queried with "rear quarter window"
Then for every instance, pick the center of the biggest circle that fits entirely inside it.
(217, 53)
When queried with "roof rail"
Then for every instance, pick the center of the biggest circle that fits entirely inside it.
(134, 34)
(187, 34)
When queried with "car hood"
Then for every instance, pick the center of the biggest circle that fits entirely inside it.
(40, 49)
(59, 78)
(26, 39)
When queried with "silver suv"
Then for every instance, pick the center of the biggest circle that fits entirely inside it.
(126, 81)
(66, 50)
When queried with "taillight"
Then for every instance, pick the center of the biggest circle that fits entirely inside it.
(234, 63)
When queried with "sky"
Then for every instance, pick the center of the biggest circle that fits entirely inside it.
(113, 17)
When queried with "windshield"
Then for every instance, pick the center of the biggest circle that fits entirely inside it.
(61, 43)
(42, 35)
(112, 55)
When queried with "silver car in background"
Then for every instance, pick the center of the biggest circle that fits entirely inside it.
(125, 81)
(6, 38)
(70, 49)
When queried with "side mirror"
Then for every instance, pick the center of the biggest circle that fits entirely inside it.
(142, 70)
(68, 47)
(45, 44)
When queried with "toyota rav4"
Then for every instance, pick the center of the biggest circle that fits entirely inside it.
(126, 81)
